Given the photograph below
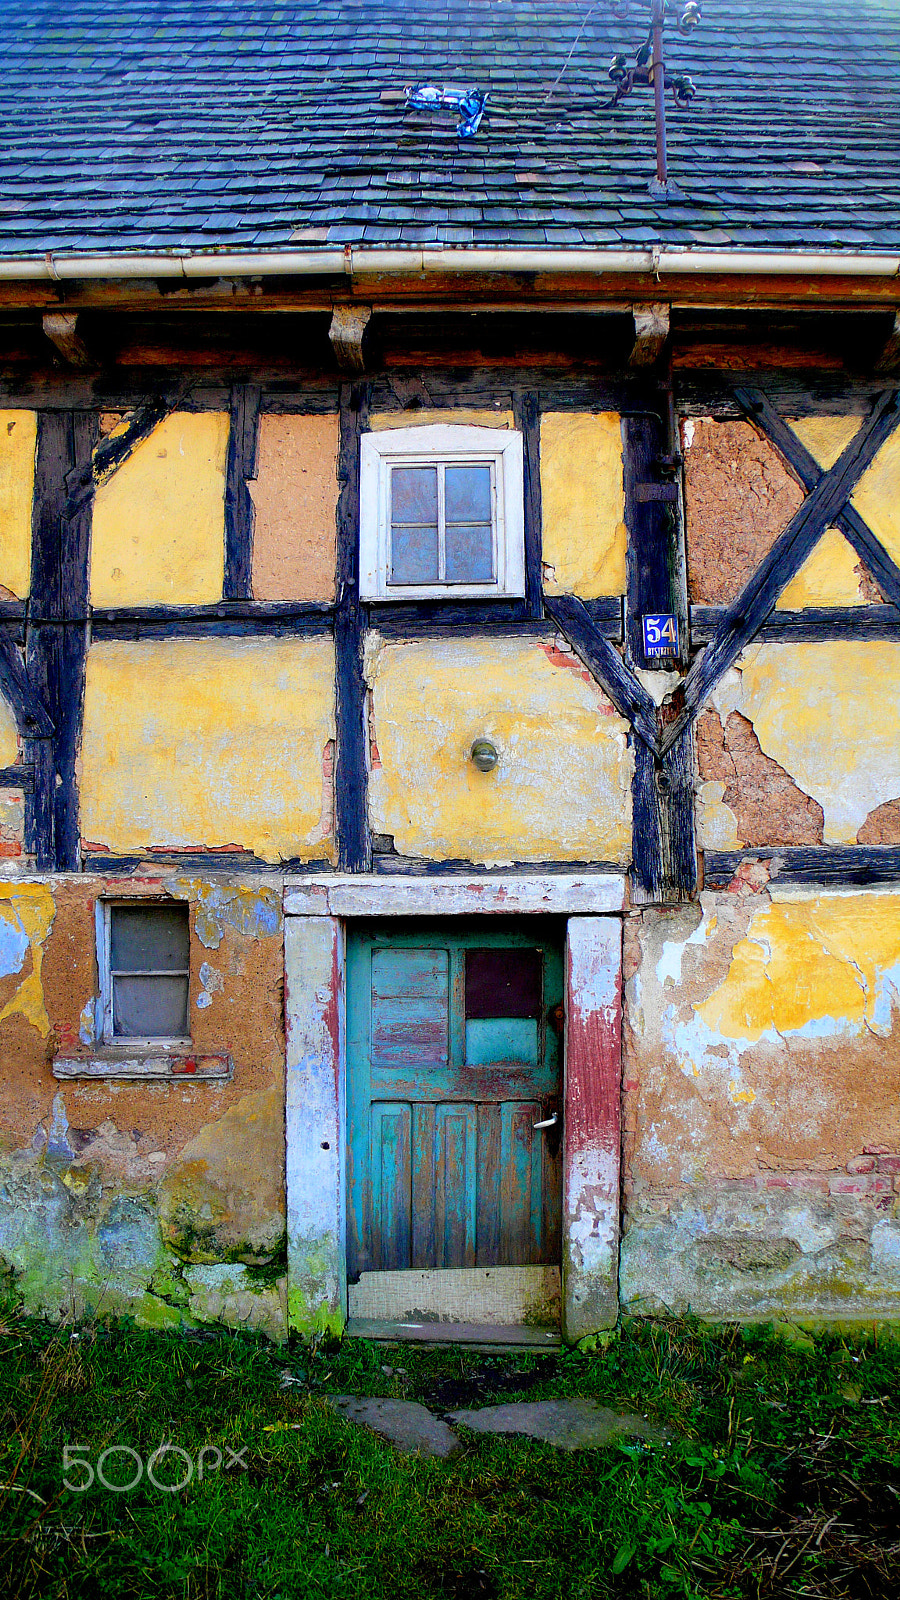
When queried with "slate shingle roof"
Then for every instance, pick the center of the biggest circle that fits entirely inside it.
(180, 125)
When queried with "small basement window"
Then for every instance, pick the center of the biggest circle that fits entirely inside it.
(145, 973)
(441, 513)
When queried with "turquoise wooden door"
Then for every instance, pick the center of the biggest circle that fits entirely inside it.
(453, 1056)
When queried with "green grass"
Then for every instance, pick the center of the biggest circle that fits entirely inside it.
(781, 1476)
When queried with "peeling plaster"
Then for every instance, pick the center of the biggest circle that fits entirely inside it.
(252, 911)
(829, 714)
(27, 911)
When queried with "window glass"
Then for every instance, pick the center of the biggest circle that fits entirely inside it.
(149, 971)
(503, 1006)
(468, 493)
(470, 553)
(150, 1008)
(442, 528)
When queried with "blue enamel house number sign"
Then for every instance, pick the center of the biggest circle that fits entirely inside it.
(660, 635)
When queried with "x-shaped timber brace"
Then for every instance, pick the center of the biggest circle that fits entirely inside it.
(662, 753)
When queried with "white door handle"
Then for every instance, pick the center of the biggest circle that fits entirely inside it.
(550, 1122)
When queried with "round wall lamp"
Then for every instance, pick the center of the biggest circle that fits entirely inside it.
(485, 755)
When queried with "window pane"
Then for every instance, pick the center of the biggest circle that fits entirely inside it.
(468, 494)
(414, 494)
(149, 939)
(150, 1008)
(414, 555)
(503, 983)
(492, 1040)
(469, 553)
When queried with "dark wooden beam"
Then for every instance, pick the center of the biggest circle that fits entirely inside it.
(111, 453)
(812, 624)
(664, 860)
(239, 512)
(351, 763)
(57, 648)
(820, 864)
(33, 719)
(21, 777)
(527, 416)
(614, 675)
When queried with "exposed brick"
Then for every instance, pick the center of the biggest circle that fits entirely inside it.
(861, 1164)
(861, 1185)
(876, 1150)
(889, 1163)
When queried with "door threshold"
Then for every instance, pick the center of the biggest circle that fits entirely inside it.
(484, 1334)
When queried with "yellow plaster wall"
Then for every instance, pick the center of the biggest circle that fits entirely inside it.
(826, 438)
(583, 504)
(826, 964)
(159, 523)
(483, 418)
(9, 736)
(18, 436)
(205, 743)
(562, 787)
(295, 499)
(829, 714)
(830, 576)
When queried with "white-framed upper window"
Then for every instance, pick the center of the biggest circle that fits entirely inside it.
(441, 513)
(144, 963)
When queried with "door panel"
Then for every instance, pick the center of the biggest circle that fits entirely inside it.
(452, 1059)
(390, 1167)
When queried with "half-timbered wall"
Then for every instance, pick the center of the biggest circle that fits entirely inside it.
(195, 700)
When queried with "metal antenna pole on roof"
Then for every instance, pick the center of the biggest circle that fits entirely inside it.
(650, 68)
(658, 72)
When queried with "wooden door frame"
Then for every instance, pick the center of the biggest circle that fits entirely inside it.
(316, 913)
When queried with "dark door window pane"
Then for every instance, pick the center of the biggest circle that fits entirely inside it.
(469, 553)
(503, 983)
(467, 492)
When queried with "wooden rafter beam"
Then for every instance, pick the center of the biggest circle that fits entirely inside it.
(651, 330)
(61, 328)
(348, 325)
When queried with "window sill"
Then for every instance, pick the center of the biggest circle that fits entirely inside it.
(144, 1061)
